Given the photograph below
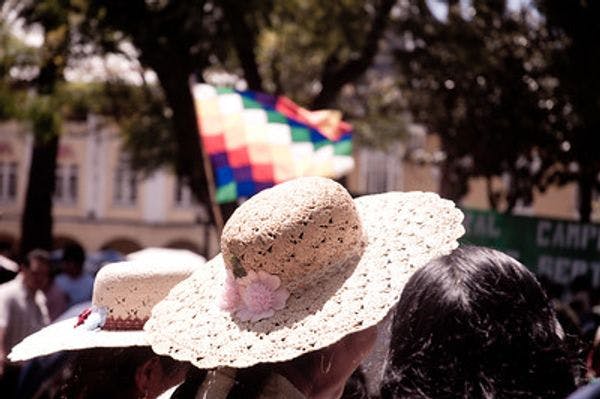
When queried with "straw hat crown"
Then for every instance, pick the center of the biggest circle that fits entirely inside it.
(297, 231)
(129, 291)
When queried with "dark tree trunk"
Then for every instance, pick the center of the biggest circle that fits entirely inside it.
(454, 184)
(244, 42)
(185, 124)
(36, 221)
(447, 183)
(491, 194)
(585, 184)
(179, 97)
(173, 61)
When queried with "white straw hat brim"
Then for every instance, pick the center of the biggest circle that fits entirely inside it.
(63, 336)
(404, 231)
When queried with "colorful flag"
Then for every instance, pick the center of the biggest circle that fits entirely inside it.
(256, 140)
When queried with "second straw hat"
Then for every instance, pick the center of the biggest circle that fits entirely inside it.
(124, 294)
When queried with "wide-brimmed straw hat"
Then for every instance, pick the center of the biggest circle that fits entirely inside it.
(302, 266)
(124, 294)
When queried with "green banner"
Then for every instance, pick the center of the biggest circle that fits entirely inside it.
(558, 249)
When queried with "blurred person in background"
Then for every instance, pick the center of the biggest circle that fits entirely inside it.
(73, 280)
(23, 311)
(46, 373)
(57, 301)
(476, 324)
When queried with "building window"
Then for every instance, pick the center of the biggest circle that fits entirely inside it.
(125, 184)
(183, 194)
(8, 181)
(66, 187)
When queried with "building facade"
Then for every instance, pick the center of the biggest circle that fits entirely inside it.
(99, 201)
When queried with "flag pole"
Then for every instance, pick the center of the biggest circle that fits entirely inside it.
(212, 192)
(210, 180)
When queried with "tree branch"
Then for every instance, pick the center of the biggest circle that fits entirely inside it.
(244, 42)
(333, 79)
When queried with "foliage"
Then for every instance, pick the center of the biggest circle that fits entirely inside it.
(16, 59)
(145, 122)
(297, 38)
(482, 82)
(45, 121)
(75, 101)
(511, 95)
(36, 220)
(289, 47)
(298, 48)
(377, 111)
(576, 63)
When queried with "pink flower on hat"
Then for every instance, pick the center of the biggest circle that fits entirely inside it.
(231, 296)
(260, 295)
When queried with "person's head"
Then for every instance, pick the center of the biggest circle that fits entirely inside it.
(476, 323)
(35, 268)
(72, 259)
(133, 372)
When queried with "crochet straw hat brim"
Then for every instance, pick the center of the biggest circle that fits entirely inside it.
(400, 233)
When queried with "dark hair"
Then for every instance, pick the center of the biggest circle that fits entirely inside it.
(477, 324)
(110, 372)
(74, 252)
(36, 254)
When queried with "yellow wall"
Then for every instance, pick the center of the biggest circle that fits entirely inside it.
(72, 151)
(13, 138)
(119, 222)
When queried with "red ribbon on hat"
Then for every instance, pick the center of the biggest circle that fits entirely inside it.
(82, 316)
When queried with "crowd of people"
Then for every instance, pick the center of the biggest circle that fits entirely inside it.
(35, 296)
(308, 282)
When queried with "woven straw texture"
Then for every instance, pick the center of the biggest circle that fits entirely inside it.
(128, 290)
(402, 231)
(63, 336)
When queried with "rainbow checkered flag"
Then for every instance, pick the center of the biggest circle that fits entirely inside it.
(255, 140)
